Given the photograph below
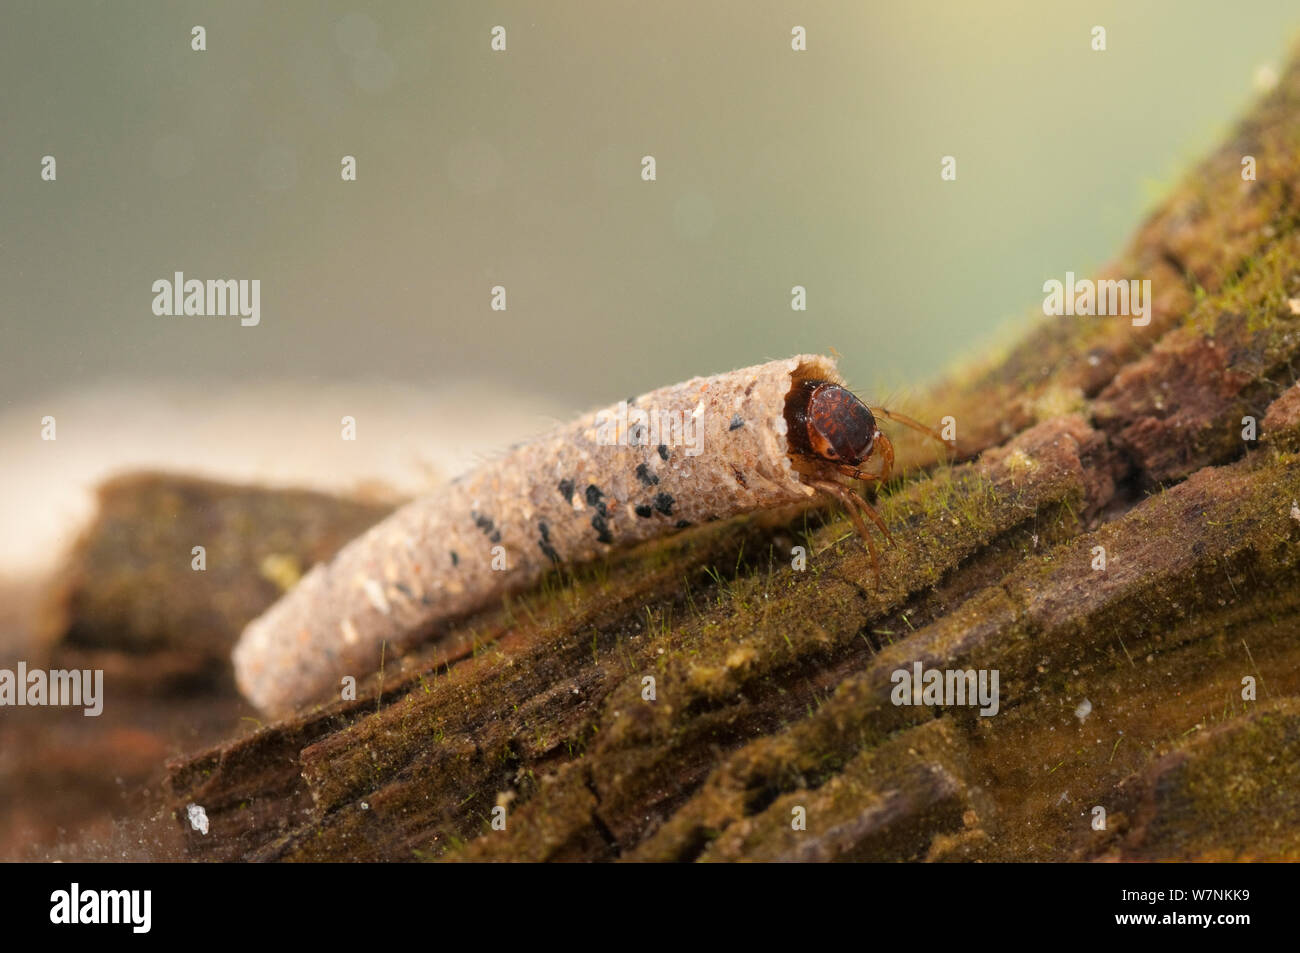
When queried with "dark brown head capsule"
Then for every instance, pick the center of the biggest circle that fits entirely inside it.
(828, 421)
(830, 434)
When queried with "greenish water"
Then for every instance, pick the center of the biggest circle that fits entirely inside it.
(522, 169)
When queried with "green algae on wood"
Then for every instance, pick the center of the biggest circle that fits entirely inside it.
(772, 685)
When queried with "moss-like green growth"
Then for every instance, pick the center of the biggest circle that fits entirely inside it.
(1118, 554)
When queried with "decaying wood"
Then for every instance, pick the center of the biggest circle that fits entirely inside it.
(128, 601)
(1122, 688)
(132, 595)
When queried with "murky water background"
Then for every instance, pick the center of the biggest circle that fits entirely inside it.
(522, 169)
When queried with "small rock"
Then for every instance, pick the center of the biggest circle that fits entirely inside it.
(198, 818)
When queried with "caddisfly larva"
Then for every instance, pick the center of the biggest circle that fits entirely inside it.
(706, 449)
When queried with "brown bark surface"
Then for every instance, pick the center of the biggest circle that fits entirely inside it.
(1163, 689)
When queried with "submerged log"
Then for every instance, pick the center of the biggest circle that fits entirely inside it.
(130, 603)
(1123, 553)
(160, 585)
